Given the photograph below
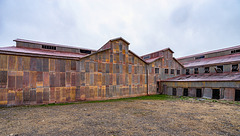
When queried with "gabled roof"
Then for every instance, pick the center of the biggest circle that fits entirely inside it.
(213, 61)
(209, 52)
(119, 38)
(49, 44)
(158, 51)
(40, 52)
(137, 56)
(234, 76)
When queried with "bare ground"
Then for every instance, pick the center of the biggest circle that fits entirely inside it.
(128, 117)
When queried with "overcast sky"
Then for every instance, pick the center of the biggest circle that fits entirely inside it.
(186, 26)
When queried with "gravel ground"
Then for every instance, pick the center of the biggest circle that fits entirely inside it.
(128, 117)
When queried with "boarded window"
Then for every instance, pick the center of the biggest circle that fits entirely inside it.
(156, 70)
(195, 70)
(178, 72)
(166, 71)
(235, 68)
(172, 71)
(187, 72)
(206, 70)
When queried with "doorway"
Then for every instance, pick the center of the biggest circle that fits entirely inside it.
(237, 95)
(215, 94)
(185, 92)
(199, 92)
(174, 92)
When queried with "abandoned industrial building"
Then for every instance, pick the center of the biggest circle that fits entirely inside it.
(40, 73)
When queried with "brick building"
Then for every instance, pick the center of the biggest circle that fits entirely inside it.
(40, 73)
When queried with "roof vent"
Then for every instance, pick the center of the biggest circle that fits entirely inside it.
(49, 47)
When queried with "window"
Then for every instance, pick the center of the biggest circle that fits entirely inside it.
(219, 69)
(48, 47)
(206, 70)
(187, 72)
(195, 70)
(166, 71)
(199, 57)
(235, 68)
(172, 71)
(156, 70)
(85, 51)
(235, 51)
(178, 72)
(146, 57)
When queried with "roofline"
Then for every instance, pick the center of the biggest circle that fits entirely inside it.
(159, 51)
(179, 62)
(94, 53)
(137, 56)
(209, 52)
(50, 44)
(119, 38)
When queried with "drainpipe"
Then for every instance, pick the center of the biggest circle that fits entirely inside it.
(147, 81)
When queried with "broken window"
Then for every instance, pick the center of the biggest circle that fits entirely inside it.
(235, 51)
(215, 94)
(156, 70)
(235, 68)
(85, 51)
(166, 71)
(219, 69)
(172, 71)
(178, 72)
(199, 92)
(237, 95)
(48, 47)
(206, 69)
(187, 72)
(146, 57)
(199, 57)
(195, 70)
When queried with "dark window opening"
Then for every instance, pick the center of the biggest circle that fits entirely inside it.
(206, 70)
(215, 94)
(166, 71)
(146, 57)
(156, 70)
(172, 71)
(235, 68)
(199, 57)
(237, 95)
(187, 72)
(178, 72)
(158, 86)
(199, 92)
(85, 51)
(185, 92)
(219, 69)
(174, 92)
(195, 70)
(235, 51)
(48, 47)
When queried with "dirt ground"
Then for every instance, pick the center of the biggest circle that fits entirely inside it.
(128, 117)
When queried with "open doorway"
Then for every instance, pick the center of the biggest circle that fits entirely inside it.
(185, 92)
(158, 86)
(199, 93)
(237, 95)
(174, 92)
(215, 94)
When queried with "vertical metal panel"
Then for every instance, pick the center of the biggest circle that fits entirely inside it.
(207, 93)
(19, 63)
(12, 63)
(73, 79)
(3, 79)
(62, 79)
(52, 65)
(3, 96)
(33, 79)
(26, 95)
(52, 78)
(11, 82)
(73, 65)
(33, 95)
(33, 64)
(3, 62)
(39, 64)
(39, 79)
(45, 64)
(57, 65)
(62, 65)
(68, 79)
(19, 82)
(46, 79)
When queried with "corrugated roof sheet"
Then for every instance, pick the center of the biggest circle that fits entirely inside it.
(234, 76)
(40, 52)
(213, 61)
(152, 60)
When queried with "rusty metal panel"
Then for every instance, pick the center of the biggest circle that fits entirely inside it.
(57, 79)
(62, 79)
(39, 64)
(229, 93)
(58, 94)
(68, 65)
(3, 96)
(11, 97)
(39, 95)
(73, 79)
(207, 93)
(33, 79)
(52, 64)
(57, 65)
(33, 64)
(19, 97)
(45, 64)
(192, 92)
(179, 91)
(3, 79)
(11, 82)
(46, 79)
(62, 65)
(3, 62)
(26, 95)
(52, 95)
(68, 78)
(78, 93)
(26, 79)
(78, 79)
(19, 82)
(73, 65)
(39, 79)
(19, 63)
(12, 63)
(52, 78)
